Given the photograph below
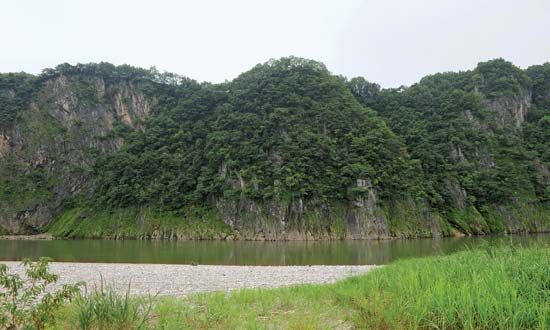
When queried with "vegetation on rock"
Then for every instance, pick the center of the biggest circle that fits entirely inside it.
(285, 147)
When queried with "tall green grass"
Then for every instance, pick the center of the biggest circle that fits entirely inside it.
(491, 288)
(105, 308)
(487, 288)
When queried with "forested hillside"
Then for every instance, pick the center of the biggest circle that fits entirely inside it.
(482, 137)
(284, 151)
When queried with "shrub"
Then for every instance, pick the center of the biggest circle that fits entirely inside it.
(26, 302)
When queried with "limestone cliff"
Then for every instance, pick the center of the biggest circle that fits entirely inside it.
(48, 150)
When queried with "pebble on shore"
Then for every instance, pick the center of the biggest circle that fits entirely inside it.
(178, 280)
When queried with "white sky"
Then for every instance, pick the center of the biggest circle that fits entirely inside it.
(388, 42)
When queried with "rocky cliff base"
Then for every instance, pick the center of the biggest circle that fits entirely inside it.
(247, 220)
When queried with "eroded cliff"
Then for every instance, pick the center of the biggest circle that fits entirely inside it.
(47, 152)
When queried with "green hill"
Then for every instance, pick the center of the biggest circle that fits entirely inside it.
(285, 151)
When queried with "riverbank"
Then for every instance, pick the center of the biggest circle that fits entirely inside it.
(178, 280)
(37, 237)
(487, 288)
(398, 221)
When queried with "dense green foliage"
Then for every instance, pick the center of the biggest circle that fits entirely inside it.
(18, 185)
(15, 94)
(537, 129)
(286, 129)
(500, 78)
(450, 152)
(490, 288)
(447, 125)
(111, 73)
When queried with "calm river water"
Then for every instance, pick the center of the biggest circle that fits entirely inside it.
(250, 253)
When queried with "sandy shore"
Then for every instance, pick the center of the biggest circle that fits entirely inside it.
(185, 279)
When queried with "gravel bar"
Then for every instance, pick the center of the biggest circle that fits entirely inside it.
(178, 280)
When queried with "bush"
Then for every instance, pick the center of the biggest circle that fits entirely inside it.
(26, 303)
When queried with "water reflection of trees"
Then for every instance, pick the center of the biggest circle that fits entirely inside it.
(250, 253)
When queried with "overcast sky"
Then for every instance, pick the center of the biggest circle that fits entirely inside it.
(389, 42)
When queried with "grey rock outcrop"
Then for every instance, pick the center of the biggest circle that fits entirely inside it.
(68, 120)
(510, 111)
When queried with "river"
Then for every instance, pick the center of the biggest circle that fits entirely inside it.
(362, 252)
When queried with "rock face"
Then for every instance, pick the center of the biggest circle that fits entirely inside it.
(4, 144)
(510, 111)
(68, 121)
(362, 218)
(365, 218)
